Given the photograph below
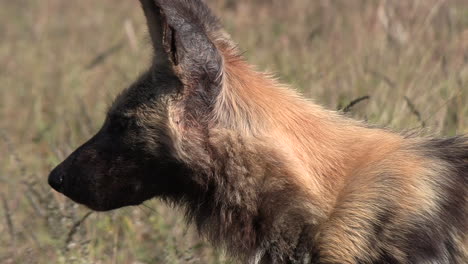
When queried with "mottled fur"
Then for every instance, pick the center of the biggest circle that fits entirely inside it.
(262, 172)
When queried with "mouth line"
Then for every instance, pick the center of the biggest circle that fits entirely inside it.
(100, 208)
(103, 206)
(93, 199)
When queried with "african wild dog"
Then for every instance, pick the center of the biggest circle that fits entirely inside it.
(261, 171)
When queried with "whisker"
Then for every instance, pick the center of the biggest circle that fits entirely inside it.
(150, 208)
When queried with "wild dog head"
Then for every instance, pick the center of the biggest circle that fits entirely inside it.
(131, 158)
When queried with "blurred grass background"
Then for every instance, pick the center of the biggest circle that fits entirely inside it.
(62, 62)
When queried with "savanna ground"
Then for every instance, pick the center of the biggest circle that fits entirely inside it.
(62, 62)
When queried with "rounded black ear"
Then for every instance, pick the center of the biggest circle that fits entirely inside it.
(180, 32)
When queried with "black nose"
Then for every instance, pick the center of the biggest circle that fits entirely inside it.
(56, 180)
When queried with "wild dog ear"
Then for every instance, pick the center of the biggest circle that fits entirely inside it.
(158, 30)
(180, 31)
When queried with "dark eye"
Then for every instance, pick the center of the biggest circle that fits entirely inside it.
(119, 124)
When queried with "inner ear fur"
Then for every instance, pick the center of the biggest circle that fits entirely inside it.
(158, 30)
(180, 33)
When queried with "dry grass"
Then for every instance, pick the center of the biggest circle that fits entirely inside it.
(62, 62)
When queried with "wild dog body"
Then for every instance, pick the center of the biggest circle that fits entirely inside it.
(266, 174)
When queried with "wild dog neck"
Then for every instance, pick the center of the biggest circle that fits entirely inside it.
(243, 195)
(254, 104)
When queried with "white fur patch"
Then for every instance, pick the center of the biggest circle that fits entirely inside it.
(257, 257)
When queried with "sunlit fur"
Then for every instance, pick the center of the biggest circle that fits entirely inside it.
(362, 189)
(262, 172)
(289, 159)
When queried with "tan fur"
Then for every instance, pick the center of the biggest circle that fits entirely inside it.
(332, 159)
(264, 173)
(318, 142)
